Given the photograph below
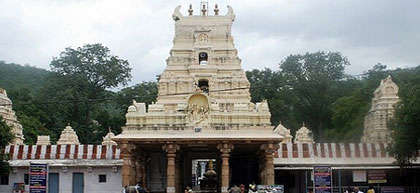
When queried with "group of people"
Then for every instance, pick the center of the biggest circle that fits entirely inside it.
(241, 189)
(138, 188)
(357, 190)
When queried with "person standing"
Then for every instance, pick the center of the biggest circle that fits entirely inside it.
(371, 190)
(349, 190)
(252, 188)
(357, 190)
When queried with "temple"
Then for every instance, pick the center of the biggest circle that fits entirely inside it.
(9, 117)
(203, 112)
(382, 109)
(204, 132)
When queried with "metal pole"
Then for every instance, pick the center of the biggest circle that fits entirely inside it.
(306, 181)
(339, 181)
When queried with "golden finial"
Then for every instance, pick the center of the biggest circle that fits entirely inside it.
(216, 10)
(190, 10)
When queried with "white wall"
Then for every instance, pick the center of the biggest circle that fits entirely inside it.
(91, 179)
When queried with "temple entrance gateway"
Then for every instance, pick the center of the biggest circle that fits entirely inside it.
(205, 167)
(203, 131)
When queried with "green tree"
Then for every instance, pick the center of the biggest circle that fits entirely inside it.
(269, 85)
(78, 85)
(145, 92)
(6, 137)
(313, 78)
(406, 123)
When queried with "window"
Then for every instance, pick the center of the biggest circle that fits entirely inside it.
(26, 179)
(4, 179)
(202, 58)
(203, 84)
(102, 178)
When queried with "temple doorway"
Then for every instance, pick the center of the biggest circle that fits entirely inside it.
(244, 169)
(204, 176)
(201, 170)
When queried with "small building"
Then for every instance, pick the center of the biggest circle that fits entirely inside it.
(352, 165)
(72, 168)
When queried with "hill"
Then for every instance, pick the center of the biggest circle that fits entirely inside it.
(14, 76)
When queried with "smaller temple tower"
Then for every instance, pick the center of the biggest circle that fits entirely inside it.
(283, 131)
(8, 114)
(107, 140)
(68, 136)
(382, 109)
(304, 135)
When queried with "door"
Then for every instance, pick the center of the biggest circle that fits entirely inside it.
(78, 182)
(53, 180)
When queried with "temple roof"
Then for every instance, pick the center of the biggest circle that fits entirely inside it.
(259, 134)
(64, 155)
(348, 154)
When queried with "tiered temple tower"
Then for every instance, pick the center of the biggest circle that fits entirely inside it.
(8, 114)
(382, 109)
(203, 111)
(203, 84)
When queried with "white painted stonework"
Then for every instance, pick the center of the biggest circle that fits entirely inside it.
(203, 87)
(304, 135)
(91, 178)
(8, 114)
(68, 136)
(283, 131)
(43, 140)
(107, 140)
(382, 109)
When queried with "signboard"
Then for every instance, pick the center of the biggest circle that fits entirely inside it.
(38, 175)
(392, 189)
(359, 176)
(270, 188)
(376, 177)
(322, 179)
(19, 187)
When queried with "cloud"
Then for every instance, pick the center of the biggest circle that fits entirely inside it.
(265, 32)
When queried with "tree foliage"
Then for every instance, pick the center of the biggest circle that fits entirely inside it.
(406, 123)
(80, 80)
(6, 137)
(270, 85)
(94, 64)
(313, 77)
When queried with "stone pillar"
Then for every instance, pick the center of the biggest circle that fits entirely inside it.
(225, 149)
(128, 168)
(143, 167)
(267, 151)
(171, 150)
(178, 167)
(139, 173)
(262, 169)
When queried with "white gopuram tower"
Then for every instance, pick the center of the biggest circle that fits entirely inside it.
(203, 85)
(203, 106)
(382, 109)
(9, 117)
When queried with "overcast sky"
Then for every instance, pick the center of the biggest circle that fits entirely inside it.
(265, 32)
